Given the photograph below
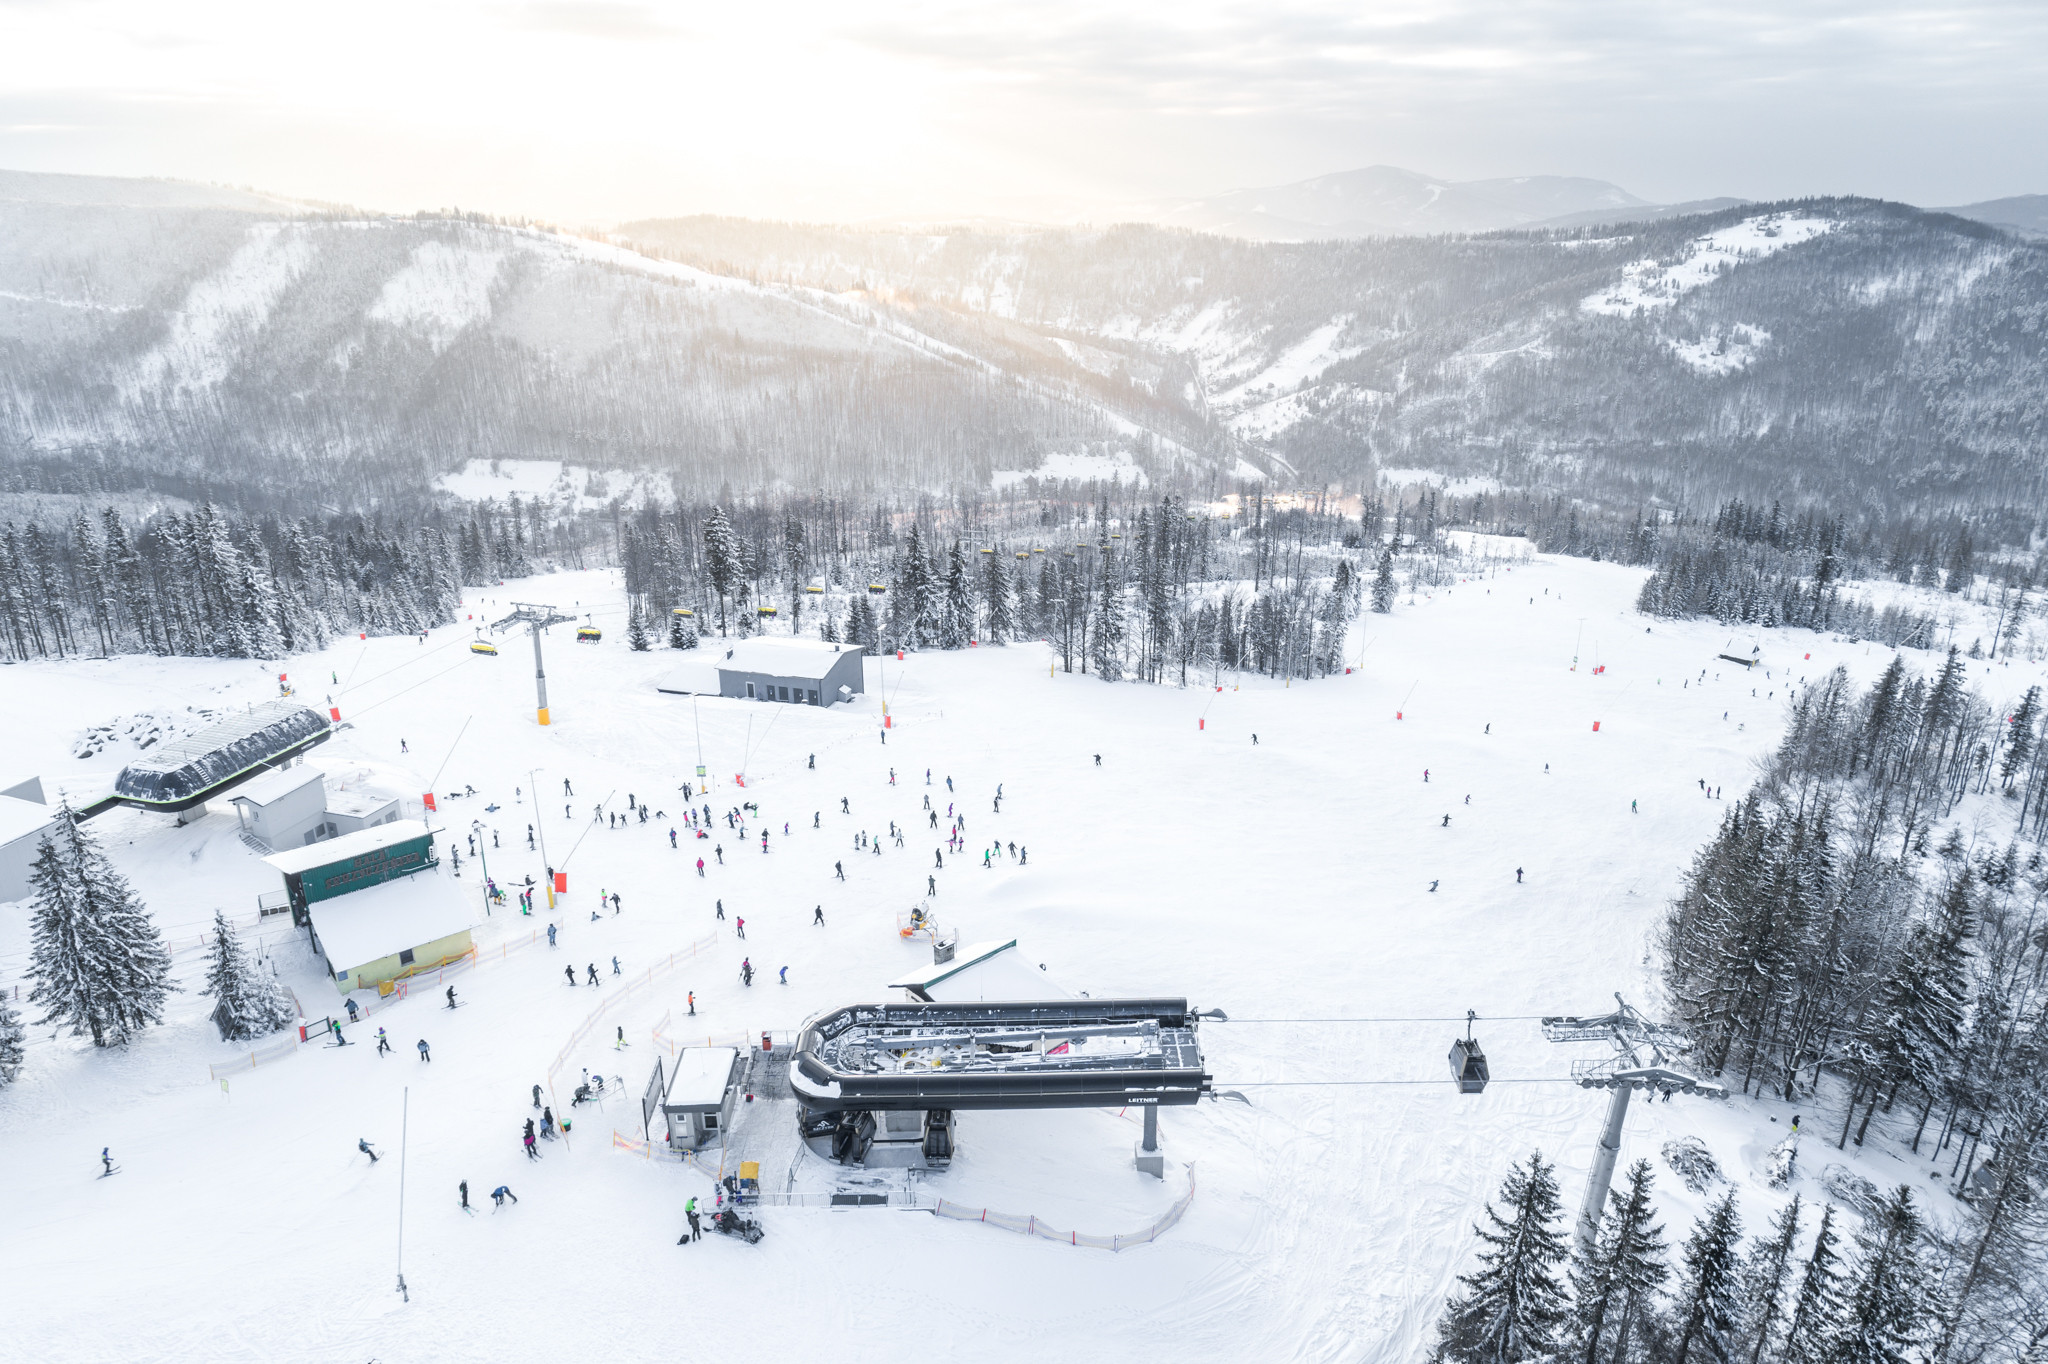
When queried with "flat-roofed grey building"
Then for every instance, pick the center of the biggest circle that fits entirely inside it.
(806, 672)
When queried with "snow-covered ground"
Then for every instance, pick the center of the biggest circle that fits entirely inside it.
(562, 484)
(1659, 283)
(1283, 880)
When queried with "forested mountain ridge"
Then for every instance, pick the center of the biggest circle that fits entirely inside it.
(227, 353)
(1866, 353)
(1837, 348)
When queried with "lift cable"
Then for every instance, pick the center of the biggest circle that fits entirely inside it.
(1482, 1018)
(1291, 1084)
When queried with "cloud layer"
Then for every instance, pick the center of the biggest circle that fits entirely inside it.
(605, 110)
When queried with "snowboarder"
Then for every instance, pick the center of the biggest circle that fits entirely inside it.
(383, 1042)
(818, 917)
(425, 1055)
(500, 1194)
(363, 1145)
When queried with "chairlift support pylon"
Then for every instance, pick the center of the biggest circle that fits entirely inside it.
(1645, 1057)
(535, 619)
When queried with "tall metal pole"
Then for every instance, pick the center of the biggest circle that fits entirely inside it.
(540, 675)
(1602, 1176)
(540, 825)
(404, 1111)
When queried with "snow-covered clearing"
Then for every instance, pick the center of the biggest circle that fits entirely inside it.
(1071, 466)
(1721, 353)
(1285, 880)
(440, 291)
(563, 484)
(1659, 283)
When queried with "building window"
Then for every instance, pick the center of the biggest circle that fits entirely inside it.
(341, 975)
(405, 957)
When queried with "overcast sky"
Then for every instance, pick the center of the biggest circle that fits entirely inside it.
(599, 112)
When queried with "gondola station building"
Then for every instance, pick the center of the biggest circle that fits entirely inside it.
(805, 672)
(374, 905)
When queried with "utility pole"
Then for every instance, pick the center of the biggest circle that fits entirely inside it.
(540, 826)
(1644, 1059)
(536, 619)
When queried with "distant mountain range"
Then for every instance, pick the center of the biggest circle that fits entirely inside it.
(1387, 201)
(1382, 201)
(201, 342)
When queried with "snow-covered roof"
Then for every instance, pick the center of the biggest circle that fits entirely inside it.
(277, 783)
(21, 818)
(697, 677)
(783, 656)
(357, 929)
(981, 973)
(358, 803)
(292, 861)
(699, 1076)
(186, 767)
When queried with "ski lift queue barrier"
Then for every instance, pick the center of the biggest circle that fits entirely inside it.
(1022, 1224)
(616, 997)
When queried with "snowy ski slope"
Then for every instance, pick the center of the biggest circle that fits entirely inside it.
(1280, 881)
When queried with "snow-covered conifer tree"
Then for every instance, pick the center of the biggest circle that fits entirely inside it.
(1766, 1273)
(251, 1001)
(1811, 1322)
(1383, 583)
(1885, 1311)
(1709, 1296)
(1513, 1304)
(636, 632)
(12, 1035)
(99, 964)
(1613, 1287)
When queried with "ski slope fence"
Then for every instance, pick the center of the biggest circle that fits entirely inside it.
(641, 982)
(428, 977)
(1031, 1226)
(1022, 1224)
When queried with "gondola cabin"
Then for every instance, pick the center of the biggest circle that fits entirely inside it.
(484, 647)
(1468, 1062)
(588, 634)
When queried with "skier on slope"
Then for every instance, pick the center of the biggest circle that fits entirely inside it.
(592, 969)
(536, 1096)
(425, 1055)
(570, 972)
(363, 1145)
(451, 996)
(383, 1042)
